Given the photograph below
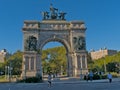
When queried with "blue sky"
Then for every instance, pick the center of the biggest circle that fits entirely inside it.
(102, 19)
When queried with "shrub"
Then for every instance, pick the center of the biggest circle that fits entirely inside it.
(32, 80)
(96, 77)
(104, 76)
(114, 75)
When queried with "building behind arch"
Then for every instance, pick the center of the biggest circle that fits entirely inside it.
(3, 54)
(102, 53)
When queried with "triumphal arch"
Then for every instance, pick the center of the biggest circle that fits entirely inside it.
(54, 27)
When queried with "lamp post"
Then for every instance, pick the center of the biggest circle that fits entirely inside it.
(8, 68)
(6, 72)
(119, 68)
(81, 74)
(10, 71)
(61, 70)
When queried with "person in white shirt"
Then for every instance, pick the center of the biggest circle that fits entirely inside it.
(109, 77)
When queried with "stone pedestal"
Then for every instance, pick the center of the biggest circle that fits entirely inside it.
(31, 65)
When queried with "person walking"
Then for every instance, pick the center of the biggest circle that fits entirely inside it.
(91, 75)
(49, 80)
(87, 77)
(109, 77)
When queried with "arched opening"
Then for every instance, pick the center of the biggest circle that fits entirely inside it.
(54, 59)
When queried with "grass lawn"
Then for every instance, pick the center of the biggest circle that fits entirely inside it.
(3, 78)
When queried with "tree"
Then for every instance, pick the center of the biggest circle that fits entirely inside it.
(109, 61)
(53, 59)
(2, 67)
(112, 67)
(15, 62)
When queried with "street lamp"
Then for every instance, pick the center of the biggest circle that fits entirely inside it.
(6, 72)
(81, 74)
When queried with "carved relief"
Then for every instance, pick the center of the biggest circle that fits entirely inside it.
(31, 44)
(79, 43)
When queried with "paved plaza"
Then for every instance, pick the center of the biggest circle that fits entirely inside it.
(64, 85)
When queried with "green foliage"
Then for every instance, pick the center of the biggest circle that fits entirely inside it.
(112, 63)
(15, 62)
(96, 77)
(2, 67)
(32, 80)
(104, 76)
(53, 60)
(112, 67)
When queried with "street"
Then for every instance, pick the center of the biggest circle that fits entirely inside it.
(62, 86)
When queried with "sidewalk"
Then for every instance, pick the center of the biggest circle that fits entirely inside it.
(77, 80)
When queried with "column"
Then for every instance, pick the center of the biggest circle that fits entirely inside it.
(75, 64)
(32, 63)
(78, 64)
(29, 63)
(70, 72)
(81, 62)
(35, 63)
(67, 64)
(40, 64)
(86, 61)
(24, 68)
(81, 68)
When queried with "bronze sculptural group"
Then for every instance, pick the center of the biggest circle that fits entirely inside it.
(79, 43)
(53, 14)
(31, 43)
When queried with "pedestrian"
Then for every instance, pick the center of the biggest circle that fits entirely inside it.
(91, 75)
(49, 80)
(109, 77)
(87, 77)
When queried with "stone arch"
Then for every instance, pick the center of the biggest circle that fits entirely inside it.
(67, 47)
(65, 43)
(70, 34)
